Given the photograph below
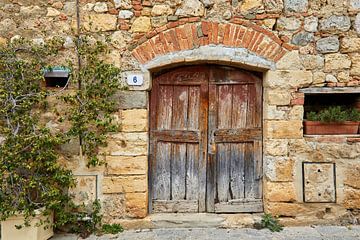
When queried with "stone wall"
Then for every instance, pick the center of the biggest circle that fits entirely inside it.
(295, 43)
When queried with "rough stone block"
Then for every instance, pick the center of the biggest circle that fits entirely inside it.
(352, 175)
(337, 61)
(328, 44)
(273, 6)
(122, 165)
(289, 24)
(311, 62)
(161, 10)
(113, 206)
(351, 198)
(355, 66)
(295, 5)
(132, 99)
(311, 24)
(127, 144)
(280, 192)
(273, 113)
(276, 97)
(319, 182)
(335, 23)
(350, 44)
(288, 79)
(283, 129)
(284, 209)
(136, 204)
(302, 38)
(99, 22)
(124, 184)
(297, 112)
(290, 61)
(85, 190)
(135, 120)
(191, 8)
(141, 25)
(278, 147)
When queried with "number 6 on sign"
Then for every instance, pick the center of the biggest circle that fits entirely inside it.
(135, 79)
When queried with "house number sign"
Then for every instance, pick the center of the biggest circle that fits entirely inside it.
(135, 79)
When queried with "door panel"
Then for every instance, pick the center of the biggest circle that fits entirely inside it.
(178, 141)
(235, 136)
(205, 141)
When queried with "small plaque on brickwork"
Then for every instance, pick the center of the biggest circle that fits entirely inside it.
(135, 79)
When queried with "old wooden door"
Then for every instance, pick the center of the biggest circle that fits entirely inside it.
(205, 133)
(235, 142)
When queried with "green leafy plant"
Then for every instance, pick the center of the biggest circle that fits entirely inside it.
(92, 105)
(334, 114)
(85, 223)
(271, 223)
(30, 176)
(112, 228)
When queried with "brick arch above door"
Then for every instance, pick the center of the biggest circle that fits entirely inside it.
(183, 36)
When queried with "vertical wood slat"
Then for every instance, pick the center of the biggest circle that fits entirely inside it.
(203, 143)
(211, 162)
(165, 106)
(180, 108)
(250, 177)
(240, 108)
(237, 187)
(193, 109)
(178, 171)
(162, 186)
(223, 172)
(224, 106)
(192, 172)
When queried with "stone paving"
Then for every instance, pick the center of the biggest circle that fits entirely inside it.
(289, 233)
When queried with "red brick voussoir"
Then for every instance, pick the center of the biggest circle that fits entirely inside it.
(191, 33)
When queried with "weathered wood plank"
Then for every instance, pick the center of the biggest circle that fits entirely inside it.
(180, 108)
(258, 191)
(193, 109)
(178, 171)
(237, 187)
(161, 185)
(249, 171)
(192, 172)
(224, 106)
(237, 135)
(244, 207)
(164, 108)
(239, 106)
(223, 172)
(176, 136)
(176, 206)
(211, 165)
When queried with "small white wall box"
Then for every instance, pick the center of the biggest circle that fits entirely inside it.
(135, 79)
(56, 77)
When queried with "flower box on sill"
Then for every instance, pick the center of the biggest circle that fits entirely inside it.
(330, 128)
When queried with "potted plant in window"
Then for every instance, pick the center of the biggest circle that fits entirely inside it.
(332, 120)
(32, 184)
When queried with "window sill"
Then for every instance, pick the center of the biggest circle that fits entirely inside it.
(353, 138)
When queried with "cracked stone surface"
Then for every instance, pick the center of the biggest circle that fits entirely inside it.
(289, 233)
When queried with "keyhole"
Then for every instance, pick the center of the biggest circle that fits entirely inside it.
(319, 170)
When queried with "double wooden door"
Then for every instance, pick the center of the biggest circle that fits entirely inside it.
(205, 141)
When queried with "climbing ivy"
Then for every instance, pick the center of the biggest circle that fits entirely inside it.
(30, 176)
(92, 105)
